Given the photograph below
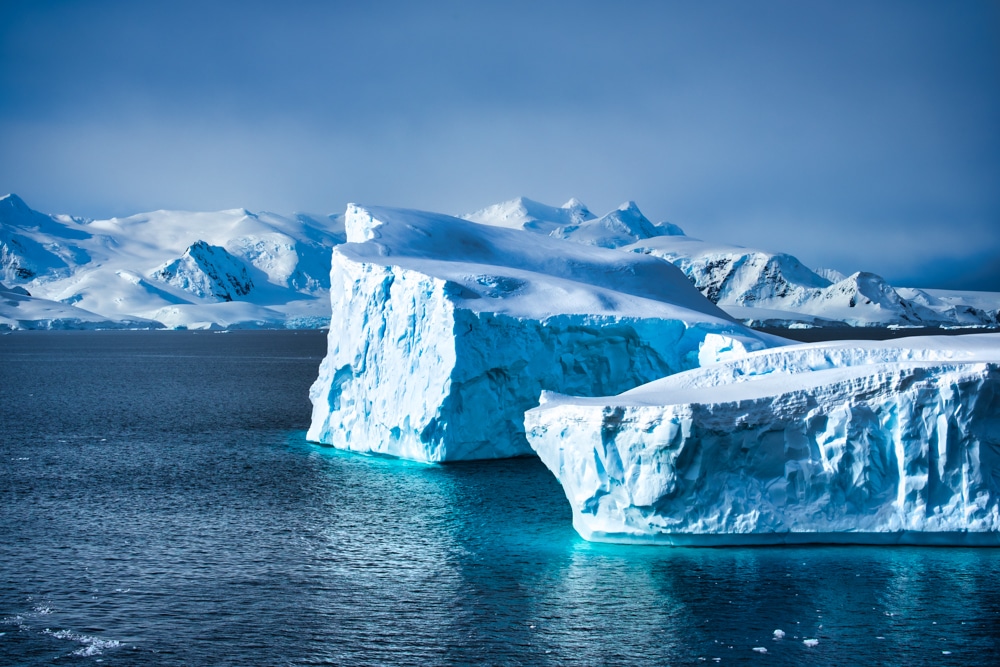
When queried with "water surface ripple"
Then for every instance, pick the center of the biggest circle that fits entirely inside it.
(160, 506)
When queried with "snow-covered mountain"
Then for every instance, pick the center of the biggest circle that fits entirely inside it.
(235, 268)
(172, 269)
(574, 221)
(755, 286)
(20, 310)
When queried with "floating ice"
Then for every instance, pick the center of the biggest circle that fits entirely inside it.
(810, 642)
(779, 634)
(447, 331)
(891, 442)
(91, 645)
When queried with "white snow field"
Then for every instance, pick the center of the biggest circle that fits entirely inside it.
(448, 330)
(847, 442)
(20, 310)
(237, 269)
(757, 287)
(177, 269)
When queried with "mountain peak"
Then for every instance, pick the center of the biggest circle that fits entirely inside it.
(522, 212)
(12, 202)
(13, 198)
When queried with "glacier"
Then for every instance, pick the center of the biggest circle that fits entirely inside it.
(176, 269)
(757, 287)
(239, 269)
(847, 442)
(446, 331)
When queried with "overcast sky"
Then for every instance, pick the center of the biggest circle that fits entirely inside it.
(854, 135)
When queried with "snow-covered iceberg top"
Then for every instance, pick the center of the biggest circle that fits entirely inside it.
(866, 442)
(446, 331)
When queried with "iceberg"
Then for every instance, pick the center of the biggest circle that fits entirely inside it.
(446, 331)
(847, 442)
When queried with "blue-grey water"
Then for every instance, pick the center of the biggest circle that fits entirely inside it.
(159, 505)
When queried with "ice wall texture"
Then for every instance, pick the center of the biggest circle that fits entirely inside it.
(895, 442)
(447, 331)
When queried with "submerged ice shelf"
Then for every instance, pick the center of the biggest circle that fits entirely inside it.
(855, 442)
(447, 331)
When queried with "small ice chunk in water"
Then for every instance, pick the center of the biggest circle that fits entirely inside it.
(810, 642)
(760, 649)
(779, 634)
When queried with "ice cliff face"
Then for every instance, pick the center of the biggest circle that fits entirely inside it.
(847, 442)
(447, 331)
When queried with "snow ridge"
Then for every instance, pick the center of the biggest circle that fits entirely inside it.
(757, 287)
(183, 269)
(207, 271)
(77, 261)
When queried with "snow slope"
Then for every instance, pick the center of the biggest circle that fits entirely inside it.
(758, 287)
(174, 268)
(20, 310)
(574, 221)
(763, 288)
(449, 330)
(179, 269)
(870, 442)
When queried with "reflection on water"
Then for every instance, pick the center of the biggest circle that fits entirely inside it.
(136, 533)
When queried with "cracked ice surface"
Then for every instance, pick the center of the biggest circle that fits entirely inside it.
(445, 331)
(867, 442)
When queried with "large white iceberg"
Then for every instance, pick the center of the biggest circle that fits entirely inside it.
(445, 331)
(859, 442)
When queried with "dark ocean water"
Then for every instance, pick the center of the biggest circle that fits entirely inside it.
(159, 506)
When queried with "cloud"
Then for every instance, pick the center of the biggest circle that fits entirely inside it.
(858, 137)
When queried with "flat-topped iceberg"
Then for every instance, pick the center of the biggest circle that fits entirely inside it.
(445, 331)
(853, 442)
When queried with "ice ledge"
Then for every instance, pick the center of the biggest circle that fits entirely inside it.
(800, 450)
(897, 538)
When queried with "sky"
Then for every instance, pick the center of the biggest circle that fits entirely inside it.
(853, 135)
